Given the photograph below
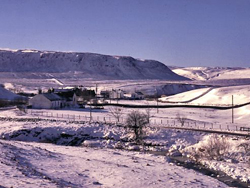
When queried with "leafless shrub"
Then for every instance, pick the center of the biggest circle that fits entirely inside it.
(215, 149)
(246, 147)
(116, 112)
(136, 122)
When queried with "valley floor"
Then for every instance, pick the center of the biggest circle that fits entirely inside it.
(28, 160)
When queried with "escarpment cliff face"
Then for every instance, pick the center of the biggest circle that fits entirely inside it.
(87, 65)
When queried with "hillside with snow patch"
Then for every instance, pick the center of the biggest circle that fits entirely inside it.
(221, 95)
(212, 73)
(47, 64)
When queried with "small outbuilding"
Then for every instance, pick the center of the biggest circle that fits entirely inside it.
(46, 101)
(137, 95)
(81, 97)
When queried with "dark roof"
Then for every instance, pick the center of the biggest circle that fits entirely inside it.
(104, 91)
(139, 93)
(52, 96)
(85, 92)
(66, 95)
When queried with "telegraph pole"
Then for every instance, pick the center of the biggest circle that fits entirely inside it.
(156, 95)
(232, 109)
(157, 106)
(90, 112)
(96, 88)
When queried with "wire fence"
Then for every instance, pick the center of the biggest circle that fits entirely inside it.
(156, 122)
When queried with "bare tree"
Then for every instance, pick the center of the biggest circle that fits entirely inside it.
(116, 112)
(181, 119)
(148, 114)
(136, 122)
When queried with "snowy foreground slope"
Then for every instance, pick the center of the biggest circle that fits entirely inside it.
(213, 73)
(47, 64)
(46, 165)
(39, 164)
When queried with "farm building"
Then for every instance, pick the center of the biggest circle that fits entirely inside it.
(81, 97)
(47, 101)
(116, 94)
(105, 94)
(67, 97)
(137, 95)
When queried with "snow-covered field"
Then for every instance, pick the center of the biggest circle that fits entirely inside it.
(220, 96)
(104, 163)
(37, 164)
(61, 148)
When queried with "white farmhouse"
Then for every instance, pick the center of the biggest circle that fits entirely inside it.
(78, 99)
(46, 101)
(116, 94)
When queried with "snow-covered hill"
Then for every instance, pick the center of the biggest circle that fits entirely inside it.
(85, 65)
(221, 95)
(213, 73)
(7, 95)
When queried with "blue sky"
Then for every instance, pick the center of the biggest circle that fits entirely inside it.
(175, 32)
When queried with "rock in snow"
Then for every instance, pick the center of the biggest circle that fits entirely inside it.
(85, 65)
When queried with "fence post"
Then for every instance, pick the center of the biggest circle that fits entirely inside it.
(161, 121)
